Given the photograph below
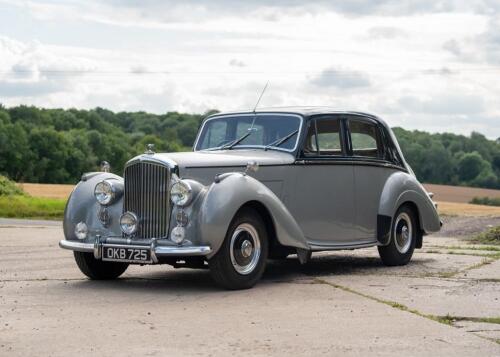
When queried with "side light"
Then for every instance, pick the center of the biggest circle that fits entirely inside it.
(81, 230)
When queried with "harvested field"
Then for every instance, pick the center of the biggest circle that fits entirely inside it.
(459, 194)
(47, 190)
(466, 209)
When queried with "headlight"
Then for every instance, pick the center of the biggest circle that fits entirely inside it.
(181, 193)
(107, 191)
(129, 223)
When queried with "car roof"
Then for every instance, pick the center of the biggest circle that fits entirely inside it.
(305, 111)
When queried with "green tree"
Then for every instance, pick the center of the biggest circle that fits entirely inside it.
(470, 165)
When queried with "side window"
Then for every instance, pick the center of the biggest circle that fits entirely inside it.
(323, 138)
(365, 139)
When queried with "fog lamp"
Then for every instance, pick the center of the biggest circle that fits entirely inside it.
(81, 230)
(129, 224)
(178, 234)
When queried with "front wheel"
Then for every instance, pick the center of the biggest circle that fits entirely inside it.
(241, 260)
(97, 269)
(403, 238)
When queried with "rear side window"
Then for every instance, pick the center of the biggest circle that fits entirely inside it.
(365, 139)
(323, 138)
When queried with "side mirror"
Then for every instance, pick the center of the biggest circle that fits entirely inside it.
(252, 166)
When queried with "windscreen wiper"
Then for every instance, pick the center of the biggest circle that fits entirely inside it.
(237, 141)
(281, 140)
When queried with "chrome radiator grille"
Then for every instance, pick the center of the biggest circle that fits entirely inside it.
(147, 195)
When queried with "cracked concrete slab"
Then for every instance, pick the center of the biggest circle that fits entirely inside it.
(489, 271)
(491, 331)
(186, 313)
(48, 308)
(430, 296)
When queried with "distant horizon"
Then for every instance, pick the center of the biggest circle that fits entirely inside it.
(495, 139)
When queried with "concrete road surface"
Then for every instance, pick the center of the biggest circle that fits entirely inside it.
(342, 303)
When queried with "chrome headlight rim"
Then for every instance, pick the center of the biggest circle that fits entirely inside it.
(134, 228)
(111, 194)
(188, 193)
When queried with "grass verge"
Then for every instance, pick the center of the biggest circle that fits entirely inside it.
(491, 236)
(18, 206)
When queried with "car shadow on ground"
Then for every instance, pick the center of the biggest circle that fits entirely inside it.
(181, 281)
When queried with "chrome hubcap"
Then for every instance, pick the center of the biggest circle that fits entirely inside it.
(403, 232)
(245, 249)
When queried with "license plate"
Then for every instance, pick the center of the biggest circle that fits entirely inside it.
(126, 254)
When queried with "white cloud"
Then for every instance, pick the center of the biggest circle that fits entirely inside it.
(421, 64)
(342, 79)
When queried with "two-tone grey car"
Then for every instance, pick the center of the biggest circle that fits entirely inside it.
(258, 185)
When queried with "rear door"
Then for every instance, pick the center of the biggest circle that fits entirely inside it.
(371, 171)
(323, 201)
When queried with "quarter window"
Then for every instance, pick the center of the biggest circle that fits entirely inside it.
(323, 138)
(365, 140)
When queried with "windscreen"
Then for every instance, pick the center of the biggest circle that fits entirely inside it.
(276, 131)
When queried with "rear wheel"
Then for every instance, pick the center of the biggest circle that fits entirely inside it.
(97, 269)
(403, 238)
(241, 260)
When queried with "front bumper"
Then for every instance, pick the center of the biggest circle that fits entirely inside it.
(156, 251)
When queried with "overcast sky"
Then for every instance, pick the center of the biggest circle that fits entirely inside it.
(432, 65)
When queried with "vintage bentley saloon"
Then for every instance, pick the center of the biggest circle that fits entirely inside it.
(258, 185)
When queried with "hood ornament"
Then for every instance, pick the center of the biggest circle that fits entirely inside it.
(105, 166)
(150, 149)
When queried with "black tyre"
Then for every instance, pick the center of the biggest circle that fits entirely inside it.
(97, 269)
(403, 238)
(241, 260)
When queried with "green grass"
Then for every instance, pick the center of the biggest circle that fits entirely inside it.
(487, 201)
(491, 236)
(18, 206)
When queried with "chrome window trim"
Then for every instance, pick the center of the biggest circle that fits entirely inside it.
(301, 119)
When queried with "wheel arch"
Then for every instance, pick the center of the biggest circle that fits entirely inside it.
(224, 199)
(402, 188)
(274, 244)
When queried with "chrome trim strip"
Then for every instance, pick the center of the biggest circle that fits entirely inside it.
(155, 160)
(319, 248)
(158, 251)
(182, 251)
(77, 246)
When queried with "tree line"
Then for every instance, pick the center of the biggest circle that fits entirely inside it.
(58, 145)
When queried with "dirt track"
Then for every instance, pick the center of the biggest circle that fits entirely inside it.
(343, 303)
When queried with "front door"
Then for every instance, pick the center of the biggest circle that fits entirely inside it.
(323, 201)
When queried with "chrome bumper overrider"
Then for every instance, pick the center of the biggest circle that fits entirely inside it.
(156, 251)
